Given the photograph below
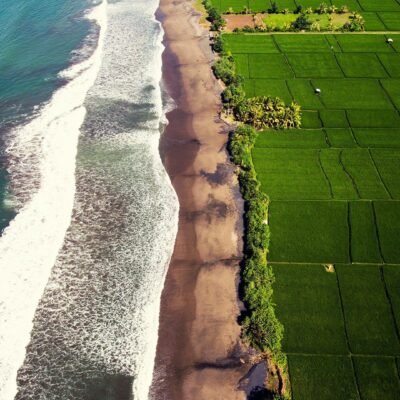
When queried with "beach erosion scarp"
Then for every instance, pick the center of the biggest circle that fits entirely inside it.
(199, 354)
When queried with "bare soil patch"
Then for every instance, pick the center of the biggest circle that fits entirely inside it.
(238, 21)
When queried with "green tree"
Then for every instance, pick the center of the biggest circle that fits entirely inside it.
(274, 8)
(302, 23)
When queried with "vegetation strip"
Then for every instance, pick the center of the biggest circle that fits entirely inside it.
(261, 328)
(351, 144)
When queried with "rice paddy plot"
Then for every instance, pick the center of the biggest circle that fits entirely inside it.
(333, 43)
(292, 138)
(369, 322)
(282, 4)
(302, 43)
(360, 166)
(273, 88)
(358, 94)
(309, 231)
(377, 378)
(250, 43)
(334, 118)
(317, 174)
(217, 4)
(318, 65)
(310, 3)
(364, 43)
(372, 21)
(269, 66)
(364, 239)
(234, 5)
(322, 377)
(308, 305)
(374, 118)
(361, 65)
(392, 280)
(396, 41)
(310, 120)
(353, 5)
(341, 183)
(388, 223)
(335, 199)
(378, 137)
(392, 87)
(387, 162)
(290, 173)
(341, 138)
(391, 20)
(304, 93)
(391, 62)
(242, 64)
(248, 87)
(381, 5)
(259, 5)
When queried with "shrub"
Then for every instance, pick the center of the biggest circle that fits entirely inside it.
(322, 8)
(343, 10)
(285, 11)
(268, 112)
(274, 8)
(217, 22)
(261, 327)
(248, 29)
(225, 70)
(302, 23)
(315, 27)
(217, 45)
(332, 9)
(232, 95)
(260, 28)
(356, 23)
(298, 10)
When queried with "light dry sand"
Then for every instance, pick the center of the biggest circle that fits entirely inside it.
(199, 351)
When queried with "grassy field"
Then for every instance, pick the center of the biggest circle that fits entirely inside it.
(322, 377)
(325, 21)
(334, 187)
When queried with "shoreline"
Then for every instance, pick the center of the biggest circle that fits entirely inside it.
(199, 353)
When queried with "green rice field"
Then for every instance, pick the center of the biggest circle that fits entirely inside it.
(334, 215)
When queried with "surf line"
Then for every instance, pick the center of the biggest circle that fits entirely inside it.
(30, 244)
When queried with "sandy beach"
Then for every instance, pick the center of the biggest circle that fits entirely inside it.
(199, 351)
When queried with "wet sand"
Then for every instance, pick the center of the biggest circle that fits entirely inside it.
(199, 352)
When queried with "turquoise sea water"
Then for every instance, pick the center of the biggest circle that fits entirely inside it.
(37, 41)
(37, 38)
(88, 211)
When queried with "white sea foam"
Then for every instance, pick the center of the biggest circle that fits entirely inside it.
(97, 320)
(42, 155)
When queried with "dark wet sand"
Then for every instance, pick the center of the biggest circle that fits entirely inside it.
(198, 353)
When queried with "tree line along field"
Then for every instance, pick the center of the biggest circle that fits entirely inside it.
(382, 15)
(334, 187)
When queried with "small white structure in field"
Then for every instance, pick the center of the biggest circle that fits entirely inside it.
(389, 40)
(317, 91)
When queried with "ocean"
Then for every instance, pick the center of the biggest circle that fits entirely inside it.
(87, 211)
